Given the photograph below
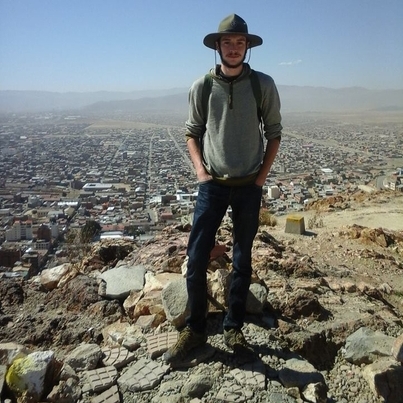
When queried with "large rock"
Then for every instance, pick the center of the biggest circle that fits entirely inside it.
(26, 375)
(175, 302)
(299, 373)
(84, 357)
(256, 299)
(385, 378)
(50, 278)
(364, 346)
(123, 279)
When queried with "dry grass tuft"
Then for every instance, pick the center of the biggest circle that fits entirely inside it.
(267, 218)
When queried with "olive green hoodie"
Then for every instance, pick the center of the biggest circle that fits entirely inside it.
(232, 145)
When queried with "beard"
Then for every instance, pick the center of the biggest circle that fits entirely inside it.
(230, 65)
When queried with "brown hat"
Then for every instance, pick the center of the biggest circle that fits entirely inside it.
(233, 24)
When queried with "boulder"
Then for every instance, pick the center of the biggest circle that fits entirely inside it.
(175, 302)
(123, 279)
(364, 346)
(26, 375)
(50, 278)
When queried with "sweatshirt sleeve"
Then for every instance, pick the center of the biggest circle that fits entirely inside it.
(196, 123)
(271, 106)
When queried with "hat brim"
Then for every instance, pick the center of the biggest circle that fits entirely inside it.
(211, 39)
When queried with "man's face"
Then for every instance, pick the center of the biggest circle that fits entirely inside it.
(232, 49)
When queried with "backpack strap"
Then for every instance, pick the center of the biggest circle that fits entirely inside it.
(207, 86)
(257, 92)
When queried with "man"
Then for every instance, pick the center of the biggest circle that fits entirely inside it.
(227, 150)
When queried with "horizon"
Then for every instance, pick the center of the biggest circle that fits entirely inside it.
(185, 89)
(132, 46)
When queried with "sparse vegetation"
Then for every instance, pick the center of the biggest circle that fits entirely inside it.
(74, 248)
(267, 218)
(78, 240)
(316, 221)
(398, 294)
(89, 231)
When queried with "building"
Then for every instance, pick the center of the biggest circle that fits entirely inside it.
(20, 231)
(9, 254)
(273, 192)
(44, 232)
(97, 187)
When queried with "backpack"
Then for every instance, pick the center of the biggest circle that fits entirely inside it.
(257, 92)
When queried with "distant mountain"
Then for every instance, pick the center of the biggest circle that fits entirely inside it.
(173, 103)
(39, 101)
(293, 99)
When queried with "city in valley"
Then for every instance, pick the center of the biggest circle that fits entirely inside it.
(132, 174)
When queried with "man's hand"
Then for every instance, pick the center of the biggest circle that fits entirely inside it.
(204, 177)
(260, 182)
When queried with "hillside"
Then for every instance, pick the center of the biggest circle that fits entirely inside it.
(344, 274)
(354, 236)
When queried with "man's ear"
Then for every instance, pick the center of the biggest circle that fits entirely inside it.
(217, 45)
(247, 45)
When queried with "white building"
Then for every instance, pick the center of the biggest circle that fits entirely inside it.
(54, 230)
(273, 192)
(19, 230)
(40, 244)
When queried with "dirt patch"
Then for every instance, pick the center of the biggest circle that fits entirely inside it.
(361, 235)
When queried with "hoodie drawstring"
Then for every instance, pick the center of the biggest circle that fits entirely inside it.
(230, 95)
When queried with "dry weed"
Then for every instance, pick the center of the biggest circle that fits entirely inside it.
(267, 218)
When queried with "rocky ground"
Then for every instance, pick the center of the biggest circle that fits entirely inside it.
(343, 274)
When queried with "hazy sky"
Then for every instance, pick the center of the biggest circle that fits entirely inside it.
(126, 45)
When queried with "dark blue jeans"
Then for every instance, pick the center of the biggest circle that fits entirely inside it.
(211, 205)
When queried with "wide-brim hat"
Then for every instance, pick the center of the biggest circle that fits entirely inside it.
(232, 25)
